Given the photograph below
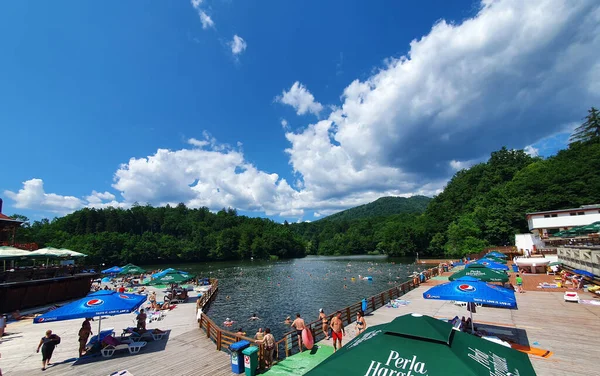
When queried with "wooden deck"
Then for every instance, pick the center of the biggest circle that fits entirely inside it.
(185, 350)
(543, 320)
(189, 353)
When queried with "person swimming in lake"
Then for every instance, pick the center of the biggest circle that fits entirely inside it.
(228, 322)
(254, 317)
(288, 321)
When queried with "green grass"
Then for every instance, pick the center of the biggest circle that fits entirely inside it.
(301, 363)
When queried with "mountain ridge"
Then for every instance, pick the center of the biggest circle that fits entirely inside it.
(383, 206)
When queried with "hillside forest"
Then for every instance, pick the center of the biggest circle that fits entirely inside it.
(484, 205)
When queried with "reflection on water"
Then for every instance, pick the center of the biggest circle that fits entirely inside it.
(274, 290)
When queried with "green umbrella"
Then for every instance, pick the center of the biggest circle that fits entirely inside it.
(132, 269)
(591, 228)
(171, 278)
(496, 259)
(555, 263)
(482, 273)
(419, 345)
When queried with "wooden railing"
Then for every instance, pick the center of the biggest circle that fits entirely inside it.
(288, 345)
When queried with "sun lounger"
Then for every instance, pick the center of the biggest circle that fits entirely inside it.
(456, 323)
(113, 344)
(149, 334)
(103, 334)
(571, 296)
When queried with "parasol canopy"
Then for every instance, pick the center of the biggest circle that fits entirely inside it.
(421, 345)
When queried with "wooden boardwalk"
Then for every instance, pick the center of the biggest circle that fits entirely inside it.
(189, 353)
(543, 320)
(185, 350)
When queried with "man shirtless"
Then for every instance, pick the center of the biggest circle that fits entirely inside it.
(299, 325)
(337, 330)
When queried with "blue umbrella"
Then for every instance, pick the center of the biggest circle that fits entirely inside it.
(490, 264)
(114, 269)
(101, 303)
(469, 289)
(583, 272)
(497, 254)
(160, 274)
(472, 290)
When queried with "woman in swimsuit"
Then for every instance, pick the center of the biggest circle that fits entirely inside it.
(361, 324)
(325, 322)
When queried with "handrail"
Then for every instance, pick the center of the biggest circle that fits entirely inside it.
(223, 338)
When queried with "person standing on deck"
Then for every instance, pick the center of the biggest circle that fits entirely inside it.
(84, 333)
(323, 318)
(299, 325)
(519, 281)
(141, 320)
(361, 324)
(47, 343)
(337, 330)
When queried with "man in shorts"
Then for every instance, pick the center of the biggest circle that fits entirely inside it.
(299, 325)
(337, 330)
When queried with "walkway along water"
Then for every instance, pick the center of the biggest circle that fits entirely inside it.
(288, 345)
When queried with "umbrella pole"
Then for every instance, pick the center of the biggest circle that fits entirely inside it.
(99, 326)
(472, 324)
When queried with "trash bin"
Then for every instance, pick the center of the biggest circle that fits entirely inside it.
(251, 360)
(363, 305)
(515, 268)
(237, 360)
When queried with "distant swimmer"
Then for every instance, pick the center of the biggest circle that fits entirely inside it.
(228, 322)
(254, 317)
(227, 297)
(345, 286)
(288, 321)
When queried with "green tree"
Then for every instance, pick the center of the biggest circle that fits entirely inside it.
(589, 131)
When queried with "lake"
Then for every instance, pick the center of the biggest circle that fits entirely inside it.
(275, 290)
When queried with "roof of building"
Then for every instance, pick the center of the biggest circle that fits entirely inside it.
(583, 207)
(6, 218)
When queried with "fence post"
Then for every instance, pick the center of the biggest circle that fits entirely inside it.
(373, 303)
(348, 315)
(207, 329)
(219, 340)
(287, 351)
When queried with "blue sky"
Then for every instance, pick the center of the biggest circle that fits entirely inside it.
(286, 109)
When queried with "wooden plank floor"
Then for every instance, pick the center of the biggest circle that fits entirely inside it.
(189, 353)
(184, 351)
(543, 320)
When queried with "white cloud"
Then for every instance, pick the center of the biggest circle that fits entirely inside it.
(97, 197)
(462, 91)
(196, 3)
(284, 124)
(238, 45)
(301, 99)
(529, 149)
(216, 177)
(33, 196)
(206, 20)
(198, 143)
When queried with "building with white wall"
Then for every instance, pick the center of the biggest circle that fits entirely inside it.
(544, 224)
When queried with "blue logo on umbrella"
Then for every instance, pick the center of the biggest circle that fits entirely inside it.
(466, 288)
(94, 302)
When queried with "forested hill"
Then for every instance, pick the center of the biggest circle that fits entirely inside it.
(384, 206)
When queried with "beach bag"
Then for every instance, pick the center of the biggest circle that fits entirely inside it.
(56, 338)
